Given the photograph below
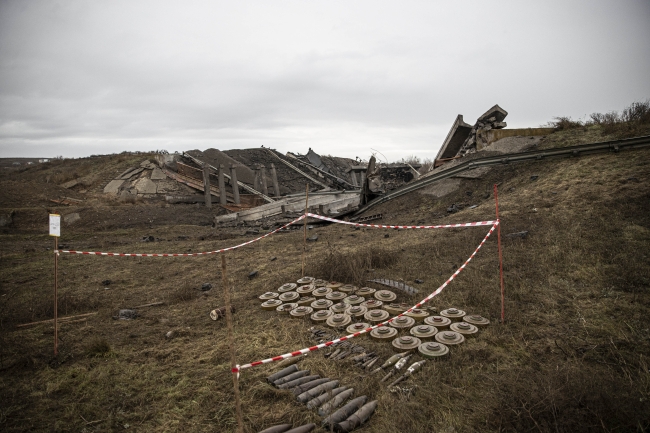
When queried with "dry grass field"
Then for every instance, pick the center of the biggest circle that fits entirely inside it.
(572, 355)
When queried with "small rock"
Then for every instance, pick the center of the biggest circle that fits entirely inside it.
(357, 228)
(312, 239)
(170, 334)
(252, 232)
(310, 227)
(252, 275)
(534, 177)
(126, 314)
(148, 239)
(474, 206)
(418, 281)
(386, 235)
(106, 282)
(273, 259)
(205, 287)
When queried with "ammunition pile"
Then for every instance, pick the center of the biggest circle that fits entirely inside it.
(350, 309)
(324, 395)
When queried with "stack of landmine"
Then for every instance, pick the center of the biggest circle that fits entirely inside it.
(324, 395)
(348, 308)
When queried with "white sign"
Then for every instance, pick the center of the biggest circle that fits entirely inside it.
(55, 225)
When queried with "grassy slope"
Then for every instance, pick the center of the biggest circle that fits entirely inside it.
(572, 355)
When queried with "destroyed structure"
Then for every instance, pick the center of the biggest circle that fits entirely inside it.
(464, 139)
(251, 184)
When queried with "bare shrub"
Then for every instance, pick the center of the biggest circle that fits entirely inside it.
(563, 123)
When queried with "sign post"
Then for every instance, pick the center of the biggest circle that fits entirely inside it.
(55, 230)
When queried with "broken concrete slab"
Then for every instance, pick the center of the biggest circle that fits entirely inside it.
(70, 184)
(145, 186)
(113, 186)
(455, 138)
(71, 218)
(131, 173)
(441, 188)
(494, 115)
(157, 174)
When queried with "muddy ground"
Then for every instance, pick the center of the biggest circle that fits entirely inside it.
(572, 354)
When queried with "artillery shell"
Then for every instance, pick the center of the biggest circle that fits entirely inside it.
(343, 354)
(368, 361)
(335, 402)
(345, 411)
(388, 376)
(275, 376)
(356, 419)
(398, 380)
(372, 363)
(359, 357)
(309, 385)
(299, 381)
(288, 378)
(280, 428)
(317, 401)
(302, 429)
(333, 354)
(316, 391)
(392, 360)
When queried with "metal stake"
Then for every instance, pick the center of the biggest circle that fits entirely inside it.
(231, 342)
(496, 201)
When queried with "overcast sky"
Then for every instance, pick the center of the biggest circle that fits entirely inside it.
(343, 77)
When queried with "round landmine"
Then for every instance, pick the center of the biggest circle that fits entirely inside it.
(376, 316)
(321, 316)
(403, 344)
(336, 296)
(286, 308)
(476, 320)
(305, 301)
(383, 333)
(268, 295)
(468, 330)
(306, 289)
(357, 311)
(439, 322)
(403, 322)
(321, 304)
(347, 288)
(385, 295)
(334, 285)
(394, 309)
(321, 292)
(301, 312)
(449, 338)
(338, 320)
(339, 308)
(271, 304)
(305, 280)
(287, 287)
(454, 314)
(418, 314)
(424, 332)
(289, 297)
(357, 327)
(372, 304)
(319, 283)
(354, 300)
(365, 291)
(431, 350)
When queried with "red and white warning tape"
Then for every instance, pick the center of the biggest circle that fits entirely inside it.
(97, 253)
(238, 368)
(205, 253)
(379, 226)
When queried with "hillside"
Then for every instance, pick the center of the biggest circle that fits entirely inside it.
(572, 355)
